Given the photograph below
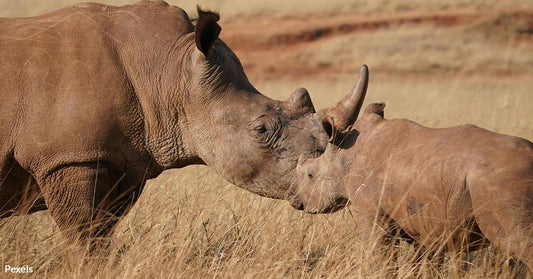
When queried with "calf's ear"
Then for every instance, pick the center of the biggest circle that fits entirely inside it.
(206, 30)
(377, 108)
(329, 127)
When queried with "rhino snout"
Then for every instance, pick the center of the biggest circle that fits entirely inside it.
(338, 204)
(329, 207)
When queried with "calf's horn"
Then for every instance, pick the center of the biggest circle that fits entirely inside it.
(345, 112)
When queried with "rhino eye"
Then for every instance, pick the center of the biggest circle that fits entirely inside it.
(259, 130)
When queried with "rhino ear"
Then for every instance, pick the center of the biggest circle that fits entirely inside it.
(377, 108)
(329, 127)
(207, 30)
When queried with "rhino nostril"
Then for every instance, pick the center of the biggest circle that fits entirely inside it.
(310, 175)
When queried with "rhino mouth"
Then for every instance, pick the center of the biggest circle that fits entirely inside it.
(337, 204)
(297, 204)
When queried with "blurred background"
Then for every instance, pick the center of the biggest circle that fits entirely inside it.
(440, 63)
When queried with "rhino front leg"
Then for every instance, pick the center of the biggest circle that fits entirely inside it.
(86, 200)
(378, 240)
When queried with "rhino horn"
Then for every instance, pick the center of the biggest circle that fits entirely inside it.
(300, 101)
(345, 112)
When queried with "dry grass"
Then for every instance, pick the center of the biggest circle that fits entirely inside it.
(212, 229)
(189, 223)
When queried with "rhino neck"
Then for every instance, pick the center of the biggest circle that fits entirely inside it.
(155, 53)
(167, 113)
(167, 132)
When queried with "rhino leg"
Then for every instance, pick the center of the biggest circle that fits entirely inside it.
(378, 236)
(505, 217)
(86, 200)
(19, 193)
(517, 243)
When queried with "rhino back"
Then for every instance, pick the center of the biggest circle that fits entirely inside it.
(427, 173)
(65, 90)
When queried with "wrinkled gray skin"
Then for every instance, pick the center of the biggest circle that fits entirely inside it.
(462, 187)
(97, 99)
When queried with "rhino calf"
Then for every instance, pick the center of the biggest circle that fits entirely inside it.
(461, 187)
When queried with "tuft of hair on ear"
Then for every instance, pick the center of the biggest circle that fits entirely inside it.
(206, 30)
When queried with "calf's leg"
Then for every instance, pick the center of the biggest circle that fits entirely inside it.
(504, 213)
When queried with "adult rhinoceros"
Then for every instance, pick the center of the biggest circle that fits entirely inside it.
(97, 99)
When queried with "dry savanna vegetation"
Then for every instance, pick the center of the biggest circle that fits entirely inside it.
(440, 63)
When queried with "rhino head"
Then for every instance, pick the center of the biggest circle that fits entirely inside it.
(318, 185)
(252, 140)
(219, 119)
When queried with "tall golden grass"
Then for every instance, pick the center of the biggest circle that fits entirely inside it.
(190, 223)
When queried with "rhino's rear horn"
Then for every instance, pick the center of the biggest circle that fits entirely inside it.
(345, 112)
(300, 101)
(206, 30)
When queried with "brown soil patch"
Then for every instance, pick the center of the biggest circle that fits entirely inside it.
(266, 46)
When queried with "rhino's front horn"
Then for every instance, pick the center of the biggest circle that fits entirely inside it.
(345, 112)
(300, 101)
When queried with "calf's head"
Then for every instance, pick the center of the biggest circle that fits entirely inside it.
(320, 182)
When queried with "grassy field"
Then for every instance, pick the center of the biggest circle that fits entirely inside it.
(474, 67)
